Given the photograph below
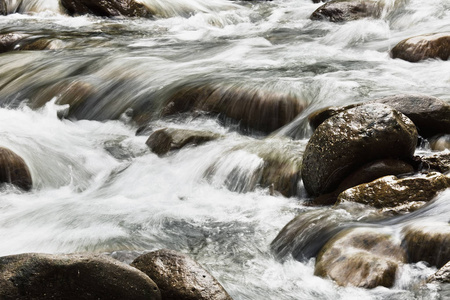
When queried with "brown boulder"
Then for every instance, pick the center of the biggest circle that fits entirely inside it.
(414, 49)
(253, 108)
(366, 173)
(179, 277)
(347, 10)
(168, 139)
(14, 170)
(109, 8)
(348, 140)
(362, 257)
(390, 191)
(85, 277)
(428, 242)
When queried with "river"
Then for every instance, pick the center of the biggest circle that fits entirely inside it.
(98, 188)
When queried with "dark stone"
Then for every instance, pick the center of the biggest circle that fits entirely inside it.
(168, 139)
(428, 242)
(430, 114)
(391, 192)
(72, 277)
(442, 275)
(14, 170)
(255, 109)
(362, 257)
(414, 49)
(436, 162)
(347, 10)
(9, 41)
(179, 277)
(366, 173)
(106, 8)
(348, 140)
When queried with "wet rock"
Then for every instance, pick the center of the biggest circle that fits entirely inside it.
(179, 277)
(14, 170)
(348, 140)
(428, 242)
(442, 275)
(362, 257)
(347, 10)
(9, 41)
(253, 108)
(3, 8)
(365, 174)
(440, 142)
(414, 49)
(102, 8)
(430, 114)
(391, 191)
(45, 276)
(168, 139)
(436, 162)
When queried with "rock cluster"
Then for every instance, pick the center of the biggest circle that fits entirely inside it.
(163, 274)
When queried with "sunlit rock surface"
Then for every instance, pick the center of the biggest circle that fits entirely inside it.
(414, 49)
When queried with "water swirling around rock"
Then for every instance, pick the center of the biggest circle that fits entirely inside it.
(97, 187)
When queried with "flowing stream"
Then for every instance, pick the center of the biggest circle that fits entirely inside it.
(98, 188)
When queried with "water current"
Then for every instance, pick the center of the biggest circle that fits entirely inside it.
(98, 188)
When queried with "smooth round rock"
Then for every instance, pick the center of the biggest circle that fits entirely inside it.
(347, 10)
(14, 170)
(414, 49)
(350, 139)
(72, 277)
(179, 277)
(362, 257)
(428, 242)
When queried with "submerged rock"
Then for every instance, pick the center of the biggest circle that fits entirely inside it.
(428, 242)
(253, 108)
(414, 49)
(440, 142)
(442, 275)
(391, 191)
(18, 42)
(362, 257)
(348, 140)
(168, 139)
(14, 170)
(9, 41)
(347, 10)
(179, 277)
(110, 8)
(45, 276)
(365, 174)
(431, 115)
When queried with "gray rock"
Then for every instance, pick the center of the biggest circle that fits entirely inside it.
(179, 277)
(347, 10)
(442, 275)
(85, 277)
(348, 140)
(14, 170)
(414, 49)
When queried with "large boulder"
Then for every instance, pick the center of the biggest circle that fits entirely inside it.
(347, 10)
(362, 257)
(414, 49)
(350, 139)
(108, 8)
(89, 277)
(431, 115)
(390, 191)
(428, 242)
(367, 173)
(179, 277)
(168, 139)
(254, 109)
(14, 170)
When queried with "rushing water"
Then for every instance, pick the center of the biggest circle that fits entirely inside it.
(98, 188)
